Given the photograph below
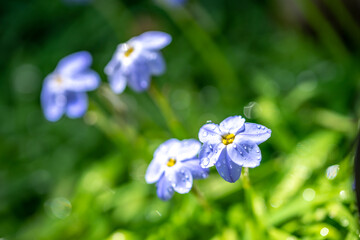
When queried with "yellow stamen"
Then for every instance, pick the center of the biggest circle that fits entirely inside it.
(128, 51)
(58, 80)
(228, 138)
(171, 162)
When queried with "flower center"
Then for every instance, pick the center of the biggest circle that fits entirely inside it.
(171, 162)
(129, 51)
(58, 80)
(228, 138)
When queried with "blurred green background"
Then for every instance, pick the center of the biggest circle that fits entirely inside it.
(292, 66)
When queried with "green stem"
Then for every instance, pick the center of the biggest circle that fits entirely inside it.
(200, 197)
(246, 178)
(163, 104)
(212, 55)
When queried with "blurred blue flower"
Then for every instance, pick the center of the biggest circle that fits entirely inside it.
(136, 60)
(64, 89)
(175, 3)
(231, 145)
(174, 166)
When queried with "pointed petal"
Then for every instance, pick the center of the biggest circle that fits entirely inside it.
(156, 62)
(139, 76)
(113, 65)
(77, 104)
(196, 170)
(189, 149)
(210, 133)
(233, 125)
(74, 63)
(180, 178)
(164, 189)
(153, 40)
(53, 103)
(117, 82)
(255, 132)
(244, 153)
(168, 149)
(85, 81)
(154, 171)
(209, 154)
(227, 169)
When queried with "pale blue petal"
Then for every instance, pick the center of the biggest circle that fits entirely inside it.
(168, 149)
(156, 62)
(244, 153)
(139, 76)
(117, 81)
(210, 133)
(233, 125)
(180, 178)
(74, 63)
(113, 65)
(189, 149)
(227, 169)
(85, 81)
(53, 103)
(153, 40)
(154, 171)
(196, 170)
(255, 132)
(209, 154)
(164, 189)
(77, 104)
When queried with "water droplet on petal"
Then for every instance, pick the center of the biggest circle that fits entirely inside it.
(143, 84)
(205, 134)
(258, 126)
(205, 162)
(234, 146)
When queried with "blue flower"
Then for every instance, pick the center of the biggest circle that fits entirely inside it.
(176, 3)
(174, 166)
(231, 145)
(64, 89)
(136, 60)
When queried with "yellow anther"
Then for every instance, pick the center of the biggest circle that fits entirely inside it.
(171, 162)
(128, 51)
(228, 138)
(58, 80)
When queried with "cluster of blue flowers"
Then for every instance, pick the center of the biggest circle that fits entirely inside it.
(229, 146)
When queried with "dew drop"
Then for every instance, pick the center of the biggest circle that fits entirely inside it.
(143, 84)
(257, 150)
(324, 231)
(332, 171)
(234, 146)
(258, 126)
(205, 162)
(309, 194)
(205, 134)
